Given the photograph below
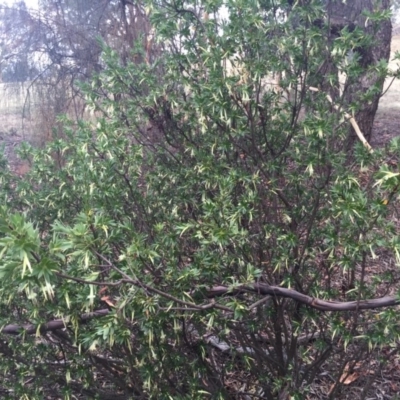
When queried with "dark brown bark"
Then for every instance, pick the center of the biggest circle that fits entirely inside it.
(351, 14)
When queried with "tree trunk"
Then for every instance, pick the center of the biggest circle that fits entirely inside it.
(350, 14)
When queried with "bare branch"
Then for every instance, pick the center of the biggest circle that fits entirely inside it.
(217, 291)
(353, 122)
(49, 326)
(322, 305)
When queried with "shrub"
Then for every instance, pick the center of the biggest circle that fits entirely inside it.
(211, 235)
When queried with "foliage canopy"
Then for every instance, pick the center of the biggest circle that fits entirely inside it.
(212, 174)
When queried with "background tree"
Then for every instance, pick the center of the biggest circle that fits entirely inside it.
(15, 61)
(210, 235)
(375, 50)
(61, 41)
